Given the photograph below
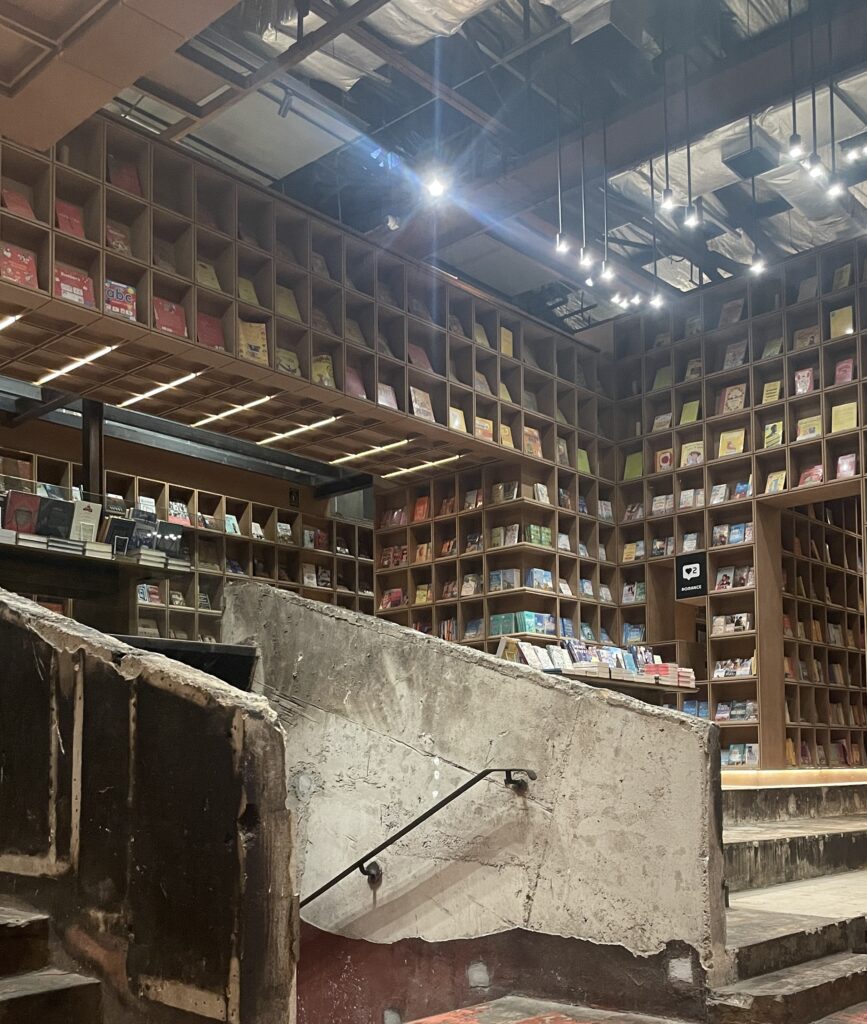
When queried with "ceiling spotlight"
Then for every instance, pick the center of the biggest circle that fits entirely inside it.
(615, 298)
(392, 222)
(606, 273)
(854, 154)
(585, 259)
(667, 199)
(814, 165)
(562, 243)
(436, 187)
(589, 281)
(636, 299)
(758, 265)
(690, 217)
(796, 146)
(835, 188)
(656, 301)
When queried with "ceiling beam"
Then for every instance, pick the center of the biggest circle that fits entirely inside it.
(290, 58)
(402, 64)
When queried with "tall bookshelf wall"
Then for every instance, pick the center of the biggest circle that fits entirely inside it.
(343, 549)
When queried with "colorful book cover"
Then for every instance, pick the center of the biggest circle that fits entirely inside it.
(69, 218)
(809, 426)
(457, 421)
(288, 362)
(731, 442)
(844, 371)
(421, 405)
(484, 428)
(253, 341)
(118, 238)
(735, 355)
(846, 465)
(124, 174)
(506, 438)
(120, 299)
(322, 370)
(733, 398)
(689, 412)
(18, 265)
(771, 392)
(209, 331)
(353, 384)
(73, 285)
(582, 461)
(812, 475)
(804, 381)
(844, 417)
(773, 434)
(17, 202)
(842, 321)
(634, 466)
(806, 337)
(692, 453)
(418, 357)
(693, 370)
(776, 482)
(21, 511)
(532, 442)
(170, 317)
(662, 421)
(663, 460)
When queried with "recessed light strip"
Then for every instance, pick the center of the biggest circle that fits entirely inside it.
(234, 409)
(160, 389)
(7, 321)
(424, 465)
(370, 451)
(300, 430)
(74, 365)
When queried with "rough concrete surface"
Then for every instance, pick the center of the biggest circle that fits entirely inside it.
(617, 842)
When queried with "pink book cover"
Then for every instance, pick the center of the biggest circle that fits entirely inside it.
(209, 331)
(18, 203)
(418, 357)
(124, 174)
(170, 317)
(843, 371)
(69, 218)
(353, 384)
(18, 265)
(74, 285)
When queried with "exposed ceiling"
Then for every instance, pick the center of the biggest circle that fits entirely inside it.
(349, 107)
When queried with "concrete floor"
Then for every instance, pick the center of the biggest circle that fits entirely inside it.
(756, 831)
(759, 914)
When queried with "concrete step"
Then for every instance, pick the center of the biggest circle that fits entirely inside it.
(785, 940)
(519, 1010)
(795, 995)
(50, 996)
(23, 940)
(759, 854)
(749, 804)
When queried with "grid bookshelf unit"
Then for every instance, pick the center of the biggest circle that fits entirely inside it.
(823, 634)
(239, 254)
(342, 547)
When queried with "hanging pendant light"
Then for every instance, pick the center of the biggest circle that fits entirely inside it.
(656, 298)
(813, 163)
(667, 194)
(606, 273)
(757, 264)
(692, 216)
(796, 144)
(562, 244)
(585, 257)
(836, 187)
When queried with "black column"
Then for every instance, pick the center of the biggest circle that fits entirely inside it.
(93, 448)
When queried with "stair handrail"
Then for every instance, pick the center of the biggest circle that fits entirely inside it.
(372, 870)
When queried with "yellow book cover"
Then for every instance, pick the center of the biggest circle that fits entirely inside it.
(629, 551)
(288, 362)
(484, 428)
(287, 304)
(692, 453)
(809, 426)
(532, 442)
(842, 321)
(323, 371)
(480, 335)
(806, 337)
(634, 466)
(689, 413)
(662, 378)
(206, 275)
(506, 438)
(776, 482)
(247, 291)
(844, 417)
(773, 434)
(421, 405)
(663, 460)
(507, 342)
(731, 442)
(253, 342)
(771, 391)
(504, 393)
(582, 460)
(456, 419)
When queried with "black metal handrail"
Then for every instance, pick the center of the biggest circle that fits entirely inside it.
(371, 868)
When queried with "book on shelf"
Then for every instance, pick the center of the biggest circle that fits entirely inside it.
(724, 578)
(562, 451)
(385, 395)
(773, 434)
(507, 342)
(164, 256)
(844, 371)
(720, 535)
(808, 288)
(633, 512)
(170, 317)
(662, 421)
(206, 274)
(804, 381)
(69, 218)
(735, 355)
(731, 442)
(730, 312)
(773, 347)
(287, 303)
(842, 321)
(480, 383)
(691, 454)
(689, 412)
(457, 420)
(528, 397)
(693, 325)
(811, 475)
(209, 331)
(480, 335)
(842, 277)
(771, 391)
(844, 417)
(18, 265)
(73, 285)
(662, 339)
(506, 439)
(120, 300)
(633, 466)
(743, 489)
(719, 494)
(419, 357)
(124, 174)
(540, 493)
(662, 504)
(253, 345)
(421, 404)
(582, 461)
(532, 442)
(689, 542)
(731, 399)
(693, 370)
(809, 427)
(663, 460)
(483, 428)
(287, 361)
(805, 337)
(846, 465)
(776, 482)
(504, 393)
(17, 201)
(662, 378)
(604, 510)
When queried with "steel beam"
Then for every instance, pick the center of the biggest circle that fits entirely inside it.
(93, 448)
